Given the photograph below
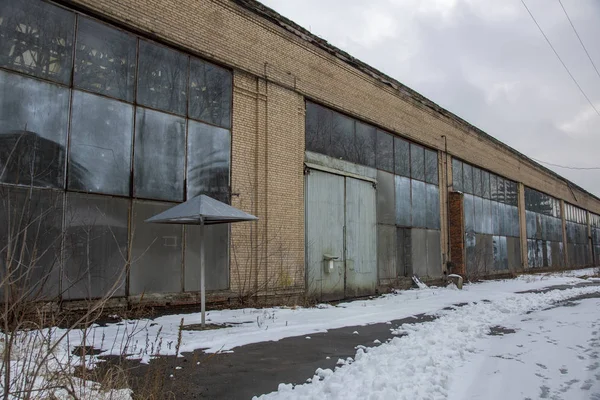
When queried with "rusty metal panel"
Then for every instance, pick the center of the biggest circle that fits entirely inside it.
(361, 237)
(386, 251)
(324, 234)
(386, 207)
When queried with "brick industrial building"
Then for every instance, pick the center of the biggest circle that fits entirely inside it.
(114, 110)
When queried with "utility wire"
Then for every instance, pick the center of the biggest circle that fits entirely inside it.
(564, 166)
(560, 59)
(578, 37)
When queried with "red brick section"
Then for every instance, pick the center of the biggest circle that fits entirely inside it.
(457, 233)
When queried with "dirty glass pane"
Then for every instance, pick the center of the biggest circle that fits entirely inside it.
(30, 241)
(419, 203)
(417, 161)
(479, 217)
(384, 151)
(342, 138)
(403, 204)
(433, 207)
(468, 178)
(457, 175)
(431, 166)
(495, 213)
(469, 210)
(162, 78)
(318, 128)
(500, 195)
(34, 116)
(156, 251)
(511, 193)
(210, 93)
(477, 186)
(96, 246)
(485, 184)
(159, 163)
(208, 161)
(515, 221)
(487, 217)
(531, 224)
(494, 187)
(386, 207)
(104, 60)
(100, 149)
(216, 259)
(364, 144)
(37, 38)
(401, 156)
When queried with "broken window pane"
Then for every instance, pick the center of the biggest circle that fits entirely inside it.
(384, 152)
(162, 78)
(208, 161)
(159, 164)
(210, 93)
(431, 166)
(105, 60)
(37, 38)
(33, 133)
(417, 162)
(401, 157)
(100, 148)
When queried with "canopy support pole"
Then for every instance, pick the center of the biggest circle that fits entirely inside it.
(202, 280)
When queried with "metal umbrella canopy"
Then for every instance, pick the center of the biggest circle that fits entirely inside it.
(201, 210)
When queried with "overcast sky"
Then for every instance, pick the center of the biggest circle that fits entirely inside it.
(485, 61)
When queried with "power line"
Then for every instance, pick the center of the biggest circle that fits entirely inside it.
(560, 59)
(578, 37)
(564, 166)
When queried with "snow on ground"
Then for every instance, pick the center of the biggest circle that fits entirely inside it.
(553, 354)
(143, 339)
(440, 360)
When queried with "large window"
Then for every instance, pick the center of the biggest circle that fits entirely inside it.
(94, 110)
(578, 241)
(544, 230)
(491, 218)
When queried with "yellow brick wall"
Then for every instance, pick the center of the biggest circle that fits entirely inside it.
(274, 70)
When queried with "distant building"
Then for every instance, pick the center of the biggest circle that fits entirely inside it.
(112, 111)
